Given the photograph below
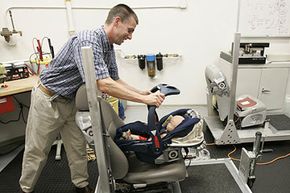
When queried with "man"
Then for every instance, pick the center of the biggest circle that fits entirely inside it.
(52, 109)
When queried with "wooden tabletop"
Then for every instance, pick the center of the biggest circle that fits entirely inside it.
(18, 86)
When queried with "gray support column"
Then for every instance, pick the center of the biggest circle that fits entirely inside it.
(103, 184)
(230, 134)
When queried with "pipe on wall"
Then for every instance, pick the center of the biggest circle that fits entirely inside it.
(70, 22)
(149, 4)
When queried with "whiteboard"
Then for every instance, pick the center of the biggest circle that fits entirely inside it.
(261, 18)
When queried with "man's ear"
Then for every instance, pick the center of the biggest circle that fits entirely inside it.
(117, 20)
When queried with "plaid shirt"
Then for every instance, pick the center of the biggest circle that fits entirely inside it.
(65, 73)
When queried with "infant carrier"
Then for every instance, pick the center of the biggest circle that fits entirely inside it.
(155, 150)
(152, 147)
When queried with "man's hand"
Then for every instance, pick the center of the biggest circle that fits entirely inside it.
(120, 89)
(145, 92)
(155, 98)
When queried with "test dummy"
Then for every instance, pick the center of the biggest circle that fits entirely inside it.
(170, 124)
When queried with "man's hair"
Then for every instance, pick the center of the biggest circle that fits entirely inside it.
(123, 11)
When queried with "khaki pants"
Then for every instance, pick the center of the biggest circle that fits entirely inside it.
(46, 120)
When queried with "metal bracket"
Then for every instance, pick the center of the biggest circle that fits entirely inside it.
(230, 134)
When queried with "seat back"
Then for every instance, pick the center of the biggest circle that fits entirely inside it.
(110, 121)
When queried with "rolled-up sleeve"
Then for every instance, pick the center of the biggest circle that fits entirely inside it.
(101, 68)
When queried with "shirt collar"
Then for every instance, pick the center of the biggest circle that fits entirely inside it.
(107, 45)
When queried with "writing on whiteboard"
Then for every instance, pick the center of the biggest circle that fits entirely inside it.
(264, 18)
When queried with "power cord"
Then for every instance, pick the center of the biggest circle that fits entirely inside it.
(273, 160)
(259, 163)
(232, 158)
(13, 120)
(20, 114)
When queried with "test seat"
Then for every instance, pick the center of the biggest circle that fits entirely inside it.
(127, 167)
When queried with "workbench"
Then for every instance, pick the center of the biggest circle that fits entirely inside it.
(18, 86)
(12, 134)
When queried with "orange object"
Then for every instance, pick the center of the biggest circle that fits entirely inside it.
(6, 104)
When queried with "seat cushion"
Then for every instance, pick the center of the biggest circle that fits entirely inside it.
(144, 173)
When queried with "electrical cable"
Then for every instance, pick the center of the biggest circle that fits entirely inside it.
(21, 113)
(190, 159)
(185, 157)
(273, 160)
(189, 163)
(232, 158)
(48, 45)
(259, 163)
(33, 45)
(30, 70)
(13, 120)
(42, 41)
(36, 55)
(20, 103)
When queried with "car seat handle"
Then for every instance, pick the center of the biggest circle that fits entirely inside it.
(166, 89)
(152, 115)
(154, 132)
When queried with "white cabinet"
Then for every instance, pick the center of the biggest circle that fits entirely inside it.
(265, 82)
(248, 82)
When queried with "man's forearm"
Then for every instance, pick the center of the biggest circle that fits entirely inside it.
(120, 90)
(132, 88)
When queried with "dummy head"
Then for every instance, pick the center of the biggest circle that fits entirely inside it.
(173, 122)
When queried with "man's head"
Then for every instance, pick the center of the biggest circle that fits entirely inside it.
(174, 122)
(120, 24)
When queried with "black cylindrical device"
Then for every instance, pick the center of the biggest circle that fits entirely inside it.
(141, 61)
(159, 61)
